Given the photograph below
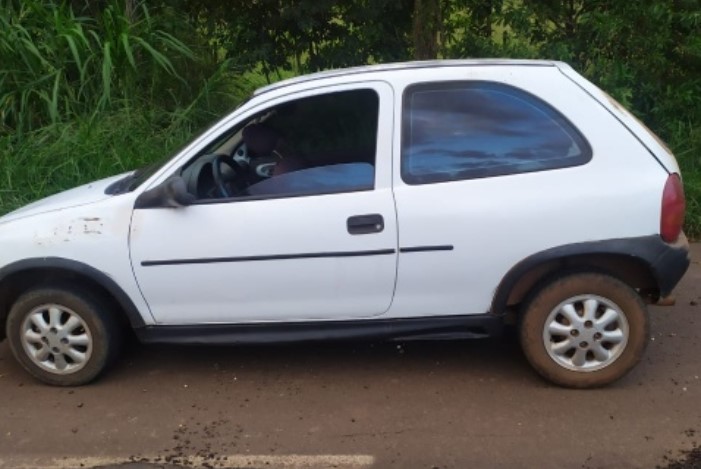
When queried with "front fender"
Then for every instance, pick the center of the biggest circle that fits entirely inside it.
(58, 265)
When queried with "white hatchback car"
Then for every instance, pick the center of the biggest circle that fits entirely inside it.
(420, 200)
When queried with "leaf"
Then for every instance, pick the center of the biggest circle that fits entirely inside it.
(127, 50)
(74, 50)
(53, 104)
(106, 73)
(161, 59)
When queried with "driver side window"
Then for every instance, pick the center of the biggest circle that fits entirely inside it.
(316, 145)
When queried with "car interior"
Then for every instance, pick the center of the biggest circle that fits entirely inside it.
(316, 145)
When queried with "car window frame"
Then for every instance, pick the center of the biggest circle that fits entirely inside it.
(405, 122)
(236, 124)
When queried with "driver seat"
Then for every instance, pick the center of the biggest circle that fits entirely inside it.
(265, 142)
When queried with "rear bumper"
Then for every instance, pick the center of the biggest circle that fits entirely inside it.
(669, 262)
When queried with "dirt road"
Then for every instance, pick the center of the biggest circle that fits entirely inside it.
(414, 405)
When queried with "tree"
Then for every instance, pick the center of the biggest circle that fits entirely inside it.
(305, 35)
(427, 25)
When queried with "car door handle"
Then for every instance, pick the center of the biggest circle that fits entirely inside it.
(365, 224)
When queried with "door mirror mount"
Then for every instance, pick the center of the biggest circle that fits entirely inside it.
(170, 194)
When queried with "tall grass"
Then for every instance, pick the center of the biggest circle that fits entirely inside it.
(58, 156)
(57, 65)
(84, 97)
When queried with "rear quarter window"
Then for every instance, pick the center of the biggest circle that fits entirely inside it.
(466, 130)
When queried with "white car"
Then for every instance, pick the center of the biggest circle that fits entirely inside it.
(420, 200)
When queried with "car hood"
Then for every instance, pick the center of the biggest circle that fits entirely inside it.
(83, 195)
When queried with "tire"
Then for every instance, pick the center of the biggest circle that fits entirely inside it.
(63, 335)
(599, 345)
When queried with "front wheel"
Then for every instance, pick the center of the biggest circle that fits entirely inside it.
(62, 336)
(584, 330)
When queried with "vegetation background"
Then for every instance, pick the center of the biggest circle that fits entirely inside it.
(90, 88)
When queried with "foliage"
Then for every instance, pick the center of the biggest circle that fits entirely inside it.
(58, 64)
(305, 35)
(59, 156)
(79, 76)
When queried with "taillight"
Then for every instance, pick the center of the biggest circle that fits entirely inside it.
(673, 207)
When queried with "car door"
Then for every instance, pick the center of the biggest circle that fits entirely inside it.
(489, 174)
(282, 256)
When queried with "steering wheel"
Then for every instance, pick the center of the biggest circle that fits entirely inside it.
(221, 183)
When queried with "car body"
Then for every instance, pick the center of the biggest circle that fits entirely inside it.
(425, 199)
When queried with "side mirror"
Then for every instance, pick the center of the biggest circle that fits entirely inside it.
(171, 194)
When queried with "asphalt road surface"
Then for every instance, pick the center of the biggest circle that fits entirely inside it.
(359, 405)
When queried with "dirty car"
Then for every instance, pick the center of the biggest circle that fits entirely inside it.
(420, 200)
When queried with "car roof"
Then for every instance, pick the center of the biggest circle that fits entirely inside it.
(404, 66)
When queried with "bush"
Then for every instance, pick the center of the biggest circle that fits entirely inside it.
(57, 65)
(59, 156)
(84, 97)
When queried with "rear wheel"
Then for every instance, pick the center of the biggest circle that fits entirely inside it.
(584, 330)
(63, 336)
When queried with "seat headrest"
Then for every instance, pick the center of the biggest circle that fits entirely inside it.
(260, 139)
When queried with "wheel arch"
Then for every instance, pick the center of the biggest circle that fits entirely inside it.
(643, 263)
(16, 278)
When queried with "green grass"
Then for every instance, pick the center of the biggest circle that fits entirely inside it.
(64, 155)
(59, 156)
(57, 64)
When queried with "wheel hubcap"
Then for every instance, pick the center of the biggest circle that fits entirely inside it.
(585, 333)
(56, 339)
